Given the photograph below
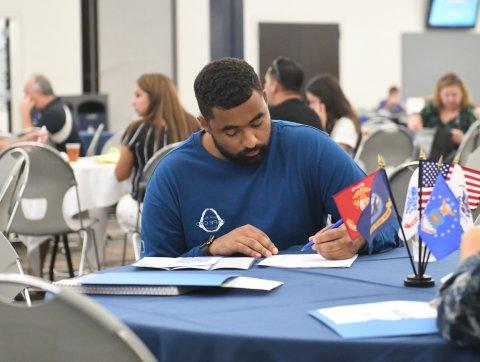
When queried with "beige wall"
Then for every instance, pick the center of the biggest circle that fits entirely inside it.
(45, 38)
(370, 37)
(193, 47)
(135, 37)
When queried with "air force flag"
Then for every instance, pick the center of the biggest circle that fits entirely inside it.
(440, 226)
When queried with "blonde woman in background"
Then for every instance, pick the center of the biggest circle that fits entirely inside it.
(450, 112)
(162, 121)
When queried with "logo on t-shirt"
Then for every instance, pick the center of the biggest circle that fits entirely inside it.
(210, 221)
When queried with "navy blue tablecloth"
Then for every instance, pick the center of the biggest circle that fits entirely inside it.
(238, 325)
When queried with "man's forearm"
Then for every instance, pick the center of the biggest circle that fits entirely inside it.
(26, 120)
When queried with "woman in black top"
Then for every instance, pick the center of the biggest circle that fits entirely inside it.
(162, 121)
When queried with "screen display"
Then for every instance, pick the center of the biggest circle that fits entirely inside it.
(453, 13)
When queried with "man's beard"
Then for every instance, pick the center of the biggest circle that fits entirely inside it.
(241, 158)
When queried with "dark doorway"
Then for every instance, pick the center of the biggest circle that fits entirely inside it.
(315, 46)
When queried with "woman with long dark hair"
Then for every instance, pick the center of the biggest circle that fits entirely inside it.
(326, 98)
(162, 121)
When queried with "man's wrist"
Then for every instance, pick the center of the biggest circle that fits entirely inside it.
(205, 247)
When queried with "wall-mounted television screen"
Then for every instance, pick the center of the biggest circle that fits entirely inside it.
(452, 14)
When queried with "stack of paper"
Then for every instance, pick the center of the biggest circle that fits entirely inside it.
(200, 262)
(383, 319)
(305, 261)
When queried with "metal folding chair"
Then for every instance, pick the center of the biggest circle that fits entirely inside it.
(96, 137)
(65, 327)
(393, 142)
(50, 177)
(145, 177)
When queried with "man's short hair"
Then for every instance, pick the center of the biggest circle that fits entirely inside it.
(288, 72)
(42, 84)
(225, 83)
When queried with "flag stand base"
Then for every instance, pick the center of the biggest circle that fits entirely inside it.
(419, 281)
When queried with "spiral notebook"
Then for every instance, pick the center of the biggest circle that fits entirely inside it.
(143, 282)
(160, 283)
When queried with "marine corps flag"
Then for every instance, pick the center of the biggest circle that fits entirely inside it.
(379, 212)
(352, 200)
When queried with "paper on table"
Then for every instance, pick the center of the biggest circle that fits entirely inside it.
(383, 319)
(199, 262)
(305, 261)
(392, 310)
(233, 263)
(251, 283)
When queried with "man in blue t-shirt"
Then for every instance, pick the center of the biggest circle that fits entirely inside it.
(246, 184)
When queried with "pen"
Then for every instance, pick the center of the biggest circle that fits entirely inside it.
(332, 226)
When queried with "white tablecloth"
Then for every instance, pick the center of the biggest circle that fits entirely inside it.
(97, 186)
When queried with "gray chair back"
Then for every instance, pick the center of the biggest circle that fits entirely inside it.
(393, 142)
(153, 162)
(114, 141)
(473, 159)
(50, 177)
(145, 177)
(424, 139)
(9, 263)
(14, 166)
(66, 327)
(470, 142)
(399, 180)
(376, 121)
(96, 137)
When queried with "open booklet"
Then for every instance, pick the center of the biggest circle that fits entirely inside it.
(305, 261)
(198, 262)
(382, 319)
(149, 282)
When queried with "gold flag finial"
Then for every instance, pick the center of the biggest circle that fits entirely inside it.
(422, 155)
(456, 160)
(440, 162)
(380, 161)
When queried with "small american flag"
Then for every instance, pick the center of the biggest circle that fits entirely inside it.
(429, 171)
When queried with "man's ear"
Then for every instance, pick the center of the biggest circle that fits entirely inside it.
(203, 123)
(264, 94)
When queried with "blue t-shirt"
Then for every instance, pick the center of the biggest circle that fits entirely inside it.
(288, 195)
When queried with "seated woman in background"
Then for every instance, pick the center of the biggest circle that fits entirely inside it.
(338, 119)
(450, 112)
(162, 121)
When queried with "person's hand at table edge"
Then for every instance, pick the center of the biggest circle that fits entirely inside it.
(470, 243)
(336, 243)
(247, 240)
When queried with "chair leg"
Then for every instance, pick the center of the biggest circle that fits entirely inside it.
(95, 248)
(53, 257)
(84, 235)
(136, 245)
(124, 253)
(25, 292)
(68, 256)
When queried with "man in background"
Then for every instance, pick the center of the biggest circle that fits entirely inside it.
(283, 81)
(40, 107)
